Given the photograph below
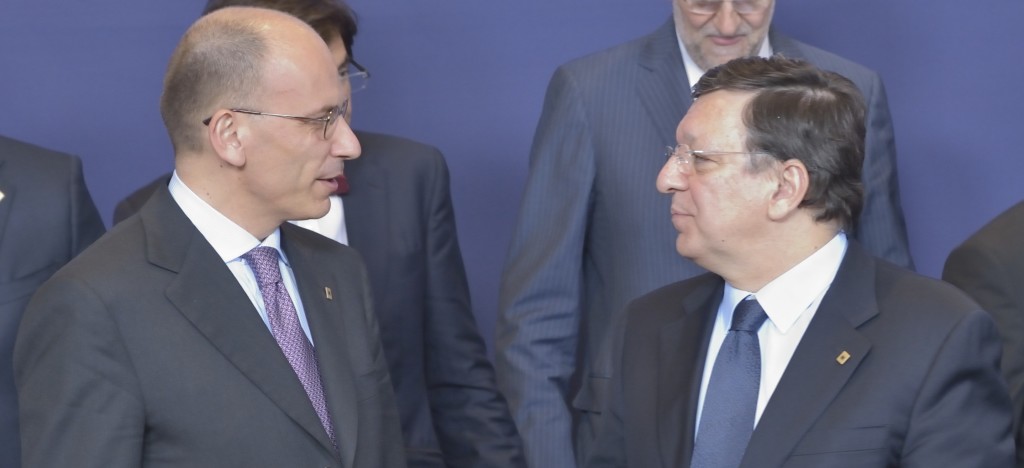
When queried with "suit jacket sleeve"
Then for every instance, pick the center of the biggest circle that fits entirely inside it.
(470, 416)
(79, 400)
(959, 416)
(983, 274)
(541, 289)
(387, 449)
(881, 228)
(86, 224)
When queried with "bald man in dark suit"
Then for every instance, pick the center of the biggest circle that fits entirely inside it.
(207, 331)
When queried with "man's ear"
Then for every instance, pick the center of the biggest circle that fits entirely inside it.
(793, 183)
(225, 132)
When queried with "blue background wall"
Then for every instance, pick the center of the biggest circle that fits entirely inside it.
(84, 76)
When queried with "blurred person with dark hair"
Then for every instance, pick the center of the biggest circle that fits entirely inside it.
(398, 214)
(798, 347)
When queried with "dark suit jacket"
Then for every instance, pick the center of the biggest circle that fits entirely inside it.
(145, 351)
(921, 387)
(46, 218)
(398, 215)
(594, 233)
(989, 267)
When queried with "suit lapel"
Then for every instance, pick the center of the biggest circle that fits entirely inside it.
(207, 294)
(664, 88)
(327, 323)
(681, 350)
(814, 375)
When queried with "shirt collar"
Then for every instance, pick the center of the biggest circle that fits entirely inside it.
(228, 239)
(786, 297)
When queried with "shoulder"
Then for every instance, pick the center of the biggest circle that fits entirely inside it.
(408, 164)
(597, 68)
(908, 300)
(34, 162)
(1003, 231)
(670, 302)
(380, 145)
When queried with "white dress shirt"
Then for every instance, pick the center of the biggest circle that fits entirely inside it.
(230, 242)
(790, 301)
(694, 72)
(332, 225)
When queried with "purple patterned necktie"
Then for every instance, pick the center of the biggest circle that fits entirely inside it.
(284, 325)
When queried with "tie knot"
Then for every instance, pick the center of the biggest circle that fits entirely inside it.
(748, 316)
(263, 262)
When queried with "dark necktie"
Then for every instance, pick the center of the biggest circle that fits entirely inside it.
(730, 402)
(342, 185)
(284, 325)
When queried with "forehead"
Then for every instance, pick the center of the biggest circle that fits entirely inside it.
(303, 71)
(715, 118)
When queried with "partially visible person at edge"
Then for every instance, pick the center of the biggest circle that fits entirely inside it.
(452, 414)
(46, 218)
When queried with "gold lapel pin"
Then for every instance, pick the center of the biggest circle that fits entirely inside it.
(843, 357)
(328, 294)
(1, 196)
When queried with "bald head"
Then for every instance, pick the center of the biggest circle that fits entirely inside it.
(221, 62)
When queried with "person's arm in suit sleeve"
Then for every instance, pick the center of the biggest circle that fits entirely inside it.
(542, 285)
(390, 448)
(881, 227)
(78, 395)
(961, 415)
(471, 417)
(981, 272)
(609, 447)
(86, 224)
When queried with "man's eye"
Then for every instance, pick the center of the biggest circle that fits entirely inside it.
(701, 159)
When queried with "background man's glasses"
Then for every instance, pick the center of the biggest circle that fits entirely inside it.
(338, 112)
(710, 7)
(356, 75)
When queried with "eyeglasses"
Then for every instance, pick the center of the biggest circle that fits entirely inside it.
(689, 160)
(356, 75)
(710, 7)
(332, 117)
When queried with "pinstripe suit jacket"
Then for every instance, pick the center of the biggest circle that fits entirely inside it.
(594, 233)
